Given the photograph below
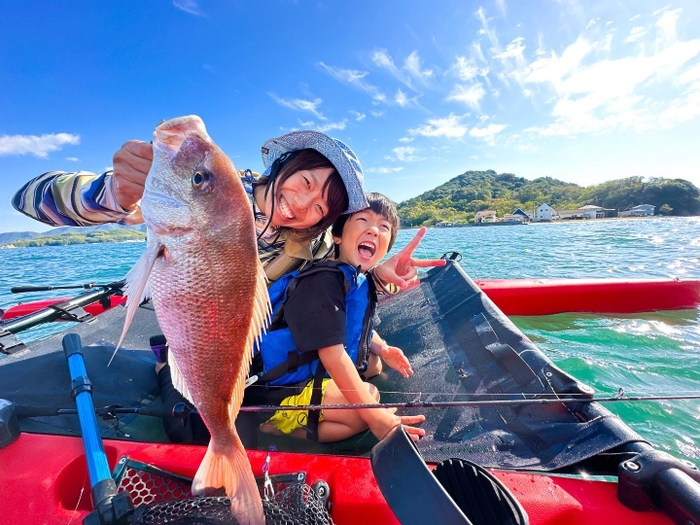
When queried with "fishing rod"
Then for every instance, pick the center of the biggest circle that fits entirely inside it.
(183, 409)
(25, 289)
(473, 403)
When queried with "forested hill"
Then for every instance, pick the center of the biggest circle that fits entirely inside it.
(461, 197)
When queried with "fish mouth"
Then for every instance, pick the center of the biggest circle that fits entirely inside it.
(160, 228)
(153, 199)
(170, 135)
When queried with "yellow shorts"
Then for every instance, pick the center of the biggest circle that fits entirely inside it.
(287, 421)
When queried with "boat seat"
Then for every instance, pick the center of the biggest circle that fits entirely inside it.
(456, 492)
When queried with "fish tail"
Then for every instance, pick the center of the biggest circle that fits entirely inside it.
(232, 471)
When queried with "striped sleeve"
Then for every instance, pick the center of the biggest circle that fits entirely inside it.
(70, 199)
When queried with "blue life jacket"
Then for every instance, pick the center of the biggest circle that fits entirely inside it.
(279, 362)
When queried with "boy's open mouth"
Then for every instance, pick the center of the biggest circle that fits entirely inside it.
(367, 249)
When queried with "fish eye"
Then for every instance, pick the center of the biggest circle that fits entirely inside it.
(200, 179)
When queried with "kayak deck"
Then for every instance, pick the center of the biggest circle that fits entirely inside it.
(49, 484)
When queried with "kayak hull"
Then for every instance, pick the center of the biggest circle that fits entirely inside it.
(615, 296)
(49, 482)
(525, 296)
(95, 308)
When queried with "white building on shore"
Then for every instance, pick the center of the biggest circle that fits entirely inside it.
(545, 213)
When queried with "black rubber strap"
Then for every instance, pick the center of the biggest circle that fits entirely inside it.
(316, 399)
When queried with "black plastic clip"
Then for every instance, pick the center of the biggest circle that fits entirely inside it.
(655, 480)
(9, 344)
(79, 385)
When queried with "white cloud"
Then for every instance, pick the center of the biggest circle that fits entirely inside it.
(487, 30)
(332, 125)
(407, 139)
(636, 33)
(377, 114)
(411, 68)
(402, 99)
(592, 22)
(501, 5)
(358, 115)
(635, 17)
(378, 99)
(189, 6)
(407, 154)
(381, 59)
(667, 24)
(470, 95)
(299, 104)
(622, 93)
(72, 159)
(513, 50)
(384, 170)
(487, 133)
(40, 146)
(355, 78)
(323, 127)
(466, 69)
(450, 127)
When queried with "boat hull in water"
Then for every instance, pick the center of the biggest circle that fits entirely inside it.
(540, 432)
(519, 297)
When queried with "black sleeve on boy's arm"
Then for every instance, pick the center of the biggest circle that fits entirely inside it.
(315, 311)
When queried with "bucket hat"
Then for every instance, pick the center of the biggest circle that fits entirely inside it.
(338, 153)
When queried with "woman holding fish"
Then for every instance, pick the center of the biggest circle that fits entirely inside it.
(206, 258)
(310, 180)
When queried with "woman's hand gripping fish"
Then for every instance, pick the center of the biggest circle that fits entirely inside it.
(209, 293)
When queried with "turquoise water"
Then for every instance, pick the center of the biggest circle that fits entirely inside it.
(645, 354)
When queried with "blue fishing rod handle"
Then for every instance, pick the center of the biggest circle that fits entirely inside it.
(98, 467)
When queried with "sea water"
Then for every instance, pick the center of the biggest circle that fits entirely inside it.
(649, 354)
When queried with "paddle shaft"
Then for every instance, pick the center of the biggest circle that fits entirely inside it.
(111, 507)
(98, 468)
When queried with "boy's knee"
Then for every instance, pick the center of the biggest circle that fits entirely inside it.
(374, 391)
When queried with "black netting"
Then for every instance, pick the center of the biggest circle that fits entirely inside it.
(161, 497)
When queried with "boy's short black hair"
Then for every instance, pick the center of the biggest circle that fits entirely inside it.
(379, 204)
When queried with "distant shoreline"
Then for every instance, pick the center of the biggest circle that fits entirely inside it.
(66, 239)
(564, 221)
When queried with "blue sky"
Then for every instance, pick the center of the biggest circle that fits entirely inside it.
(423, 91)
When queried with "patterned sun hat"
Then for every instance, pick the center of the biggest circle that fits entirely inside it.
(340, 155)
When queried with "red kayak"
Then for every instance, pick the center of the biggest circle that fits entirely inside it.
(95, 308)
(49, 482)
(527, 296)
(620, 296)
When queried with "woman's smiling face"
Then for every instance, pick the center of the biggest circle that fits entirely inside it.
(300, 201)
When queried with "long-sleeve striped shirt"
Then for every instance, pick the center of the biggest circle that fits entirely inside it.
(82, 198)
(59, 198)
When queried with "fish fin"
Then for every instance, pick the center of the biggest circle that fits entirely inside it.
(232, 471)
(260, 319)
(178, 379)
(136, 288)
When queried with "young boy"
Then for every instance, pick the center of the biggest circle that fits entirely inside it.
(324, 324)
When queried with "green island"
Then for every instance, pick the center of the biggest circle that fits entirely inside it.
(458, 200)
(93, 237)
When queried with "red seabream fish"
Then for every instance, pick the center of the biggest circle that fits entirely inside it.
(209, 293)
